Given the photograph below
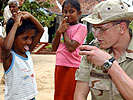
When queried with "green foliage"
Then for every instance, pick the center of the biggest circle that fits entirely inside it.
(131, 26)
(1, 18)
(48, 46)
(3, 3)
(35, 9)
(89, 37)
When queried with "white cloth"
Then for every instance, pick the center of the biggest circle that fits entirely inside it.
(45, 36)
(1, 34)
(20, 81)
(7, 14)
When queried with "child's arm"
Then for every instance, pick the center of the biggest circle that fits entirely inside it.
(78, 38)
(62, 28)
(1, 41)
(71, 45)
(56, 40)
(40, 29)
(8, 41)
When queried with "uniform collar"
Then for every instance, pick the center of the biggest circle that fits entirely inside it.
(128, 53)
(130, 47)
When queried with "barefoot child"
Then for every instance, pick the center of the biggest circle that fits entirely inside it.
(23, 33)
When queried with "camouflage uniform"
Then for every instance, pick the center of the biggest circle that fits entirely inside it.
(100, 83)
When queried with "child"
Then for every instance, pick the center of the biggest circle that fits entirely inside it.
(23, 33)
(69, 36)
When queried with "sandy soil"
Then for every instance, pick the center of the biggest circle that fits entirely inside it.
(44, 69)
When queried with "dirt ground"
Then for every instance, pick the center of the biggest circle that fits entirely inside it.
(44, 70)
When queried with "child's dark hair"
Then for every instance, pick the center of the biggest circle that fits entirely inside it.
(26, 25)
(74, 3)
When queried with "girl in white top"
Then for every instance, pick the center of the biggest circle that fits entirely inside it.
(23, 33)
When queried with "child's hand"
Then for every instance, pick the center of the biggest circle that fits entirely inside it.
(17, 19)
(63, 26)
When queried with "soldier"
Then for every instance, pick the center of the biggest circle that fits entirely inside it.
(107, 71)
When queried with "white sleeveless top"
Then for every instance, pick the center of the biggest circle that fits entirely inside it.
(20, 81)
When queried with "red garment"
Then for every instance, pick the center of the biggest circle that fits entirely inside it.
(64, 83)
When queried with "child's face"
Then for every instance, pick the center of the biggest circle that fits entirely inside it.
(71, 13)
(23, 41)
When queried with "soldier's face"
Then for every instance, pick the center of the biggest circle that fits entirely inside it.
(107, 34)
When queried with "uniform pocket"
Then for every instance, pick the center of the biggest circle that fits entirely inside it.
(99, 81)
(100, 86)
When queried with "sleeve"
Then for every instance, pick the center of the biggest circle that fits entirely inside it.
(83, 73)
(80, 34)
(128, 67)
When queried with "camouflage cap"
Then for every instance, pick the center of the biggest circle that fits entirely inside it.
(107, 11)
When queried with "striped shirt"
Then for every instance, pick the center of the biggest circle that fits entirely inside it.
(20, 81)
